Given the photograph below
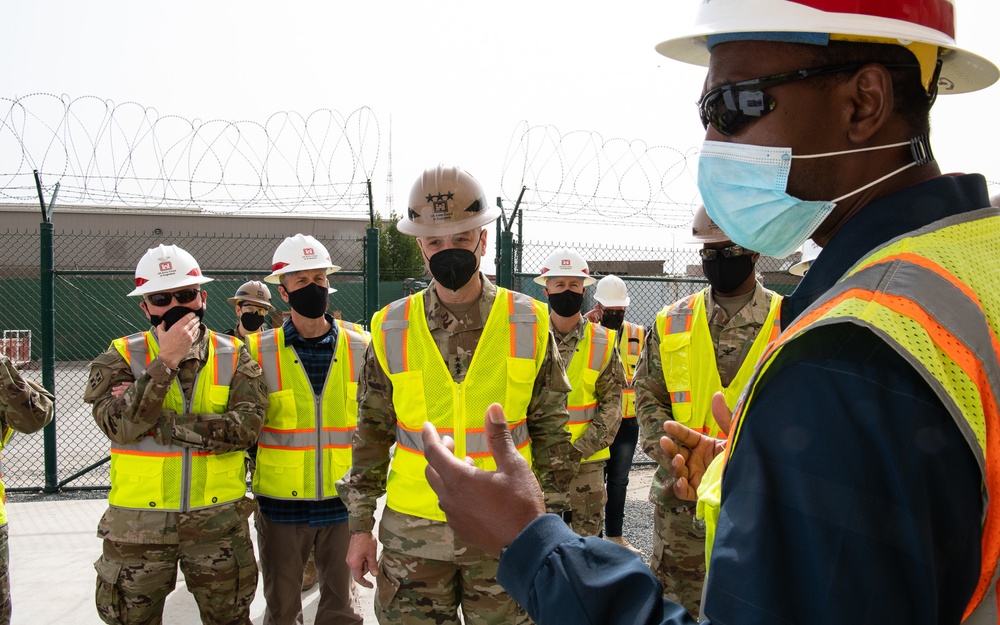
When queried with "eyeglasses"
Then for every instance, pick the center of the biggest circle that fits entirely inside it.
(731, 107)
(727, 252)
(185, 296)
(250, 308)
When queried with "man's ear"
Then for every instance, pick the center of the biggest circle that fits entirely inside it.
(872, 100)
(142, 305)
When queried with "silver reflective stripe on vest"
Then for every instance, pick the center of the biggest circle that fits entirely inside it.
(268, 350)
(148, 444)
(356, 344)
(600, 347)
(394, 326)
(943, 301)
(135, 344)
(523, 320)
(679, 397)
(987, 612)
(225, 364)
(306, 440)
(475, 443)
(582, 415)
(678, 317)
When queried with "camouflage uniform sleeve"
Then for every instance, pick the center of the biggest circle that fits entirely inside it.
(652, 400)
(235, 429)
(375, 434)
(24, 405)
(554, 458)
(139, 409)
(602, 430)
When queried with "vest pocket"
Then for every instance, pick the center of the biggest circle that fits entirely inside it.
(280, 473)
(137, 482)
(408, 397)
(218, 396)
(281, 412)
(225, 479)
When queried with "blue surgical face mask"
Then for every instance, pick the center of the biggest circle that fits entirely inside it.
(744, 191)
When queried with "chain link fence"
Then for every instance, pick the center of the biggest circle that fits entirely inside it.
(94, 274)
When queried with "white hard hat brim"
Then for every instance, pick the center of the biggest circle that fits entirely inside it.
(485, 217)
(150, 287)
(961, 71)
(275, 276)
(607, 301)
(542, 279)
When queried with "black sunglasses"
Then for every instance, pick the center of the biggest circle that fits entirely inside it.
(185, 296)
(727, 252)
(731, 107)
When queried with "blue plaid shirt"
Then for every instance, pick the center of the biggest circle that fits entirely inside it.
(316, 357)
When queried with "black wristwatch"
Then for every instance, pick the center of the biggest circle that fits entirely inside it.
(566, 516)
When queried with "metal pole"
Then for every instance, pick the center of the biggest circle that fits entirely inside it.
(372, 275)
(48, 326)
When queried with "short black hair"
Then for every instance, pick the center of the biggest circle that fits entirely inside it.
(912, 103)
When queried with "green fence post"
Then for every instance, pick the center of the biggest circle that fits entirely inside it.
(372, 274)
(48, 325)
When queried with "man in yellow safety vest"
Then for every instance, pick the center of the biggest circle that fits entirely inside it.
(180, 404)
(311, 366)
(442, 355)
(595, 373)
(703, 344)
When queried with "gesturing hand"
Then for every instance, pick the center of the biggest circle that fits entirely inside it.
(486, 508)
(691, 452)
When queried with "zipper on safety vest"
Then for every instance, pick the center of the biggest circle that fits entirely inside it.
(186, 451)
(458, 399)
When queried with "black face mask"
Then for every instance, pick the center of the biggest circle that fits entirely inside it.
(251, 321)
(613, 319)
(728, 274)
(566, 303)
(310, 301)
(174, 315)
(454, 267)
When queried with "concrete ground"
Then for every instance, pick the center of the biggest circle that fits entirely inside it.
(53, 547)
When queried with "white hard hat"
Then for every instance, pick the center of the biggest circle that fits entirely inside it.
(446, 200)
(704, 230)
(299, 253)
(809, 253)
(253, 292)
(164, 268)
(611, 291)
(888, 21)
(565, 262)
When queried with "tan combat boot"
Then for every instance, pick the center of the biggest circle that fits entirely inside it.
(620, 540)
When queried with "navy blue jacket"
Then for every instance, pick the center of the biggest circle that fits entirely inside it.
(852, 498)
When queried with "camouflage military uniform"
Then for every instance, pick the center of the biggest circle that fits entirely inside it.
(425, 572)
(587, 493)
(678, 558)
(24, 407)
(142, 548)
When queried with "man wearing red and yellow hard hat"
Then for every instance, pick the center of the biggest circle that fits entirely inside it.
(863, 475)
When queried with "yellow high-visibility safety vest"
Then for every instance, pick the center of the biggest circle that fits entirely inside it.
(689, 364)
(4, 437)
(146, 475)
(305, 446)
(506, 362)
(928, 296)
(630, 341)
(594, 350)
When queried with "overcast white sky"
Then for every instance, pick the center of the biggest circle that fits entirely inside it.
(456, 77)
